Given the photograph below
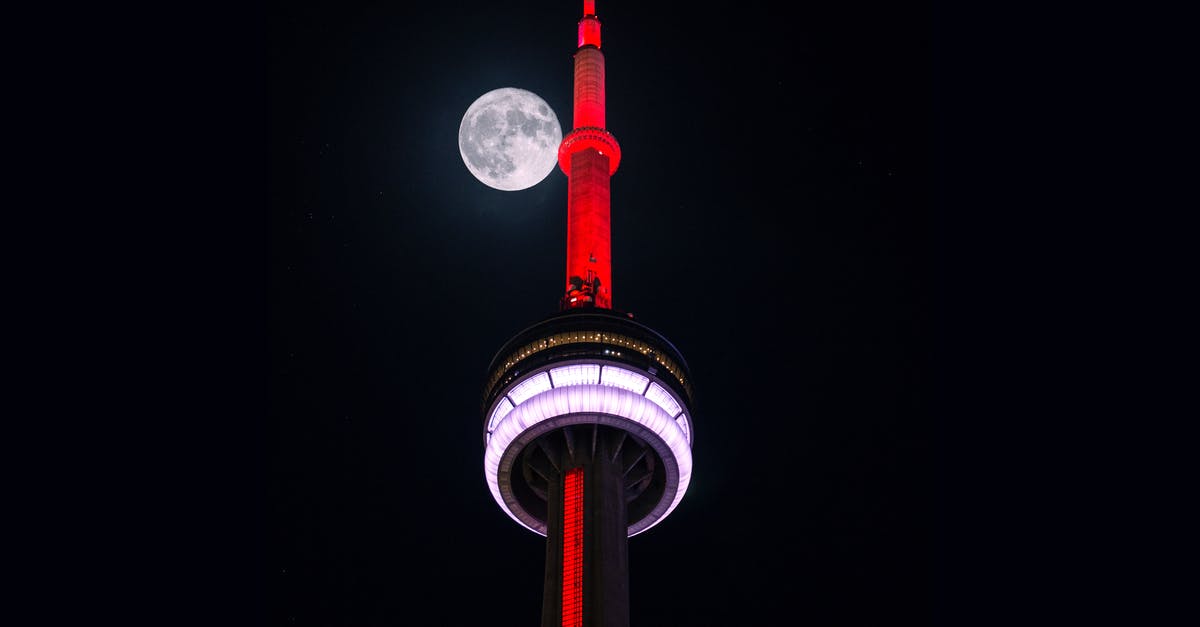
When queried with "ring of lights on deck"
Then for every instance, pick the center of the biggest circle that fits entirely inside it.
(587, 392)
(585, 137)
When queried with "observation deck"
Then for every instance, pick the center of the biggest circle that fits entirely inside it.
(581, 382)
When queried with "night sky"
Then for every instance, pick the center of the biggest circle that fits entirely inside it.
(772, 217)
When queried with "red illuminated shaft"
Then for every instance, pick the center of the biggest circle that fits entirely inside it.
(587, 524)
(572, 578)
(589, 156)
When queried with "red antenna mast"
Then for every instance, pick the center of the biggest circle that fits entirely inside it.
(589, 156)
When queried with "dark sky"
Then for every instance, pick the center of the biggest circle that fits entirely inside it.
(772, 217)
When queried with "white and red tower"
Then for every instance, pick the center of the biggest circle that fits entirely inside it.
(588, 413)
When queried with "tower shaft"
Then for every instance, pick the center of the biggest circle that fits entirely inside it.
(587, 580)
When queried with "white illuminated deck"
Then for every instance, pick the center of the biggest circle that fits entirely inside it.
(593, 391)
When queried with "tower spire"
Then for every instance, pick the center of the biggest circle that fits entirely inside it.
(589, 25)
(589, 156)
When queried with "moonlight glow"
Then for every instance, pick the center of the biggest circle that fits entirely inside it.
(509, 139)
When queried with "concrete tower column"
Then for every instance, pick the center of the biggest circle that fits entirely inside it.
(600, 454)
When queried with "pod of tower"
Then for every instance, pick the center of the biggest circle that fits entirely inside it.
(587, 413)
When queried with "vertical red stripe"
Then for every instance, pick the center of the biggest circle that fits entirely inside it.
(572, 594)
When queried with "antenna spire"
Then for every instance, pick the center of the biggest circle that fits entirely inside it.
(588, 155)
(589, 25)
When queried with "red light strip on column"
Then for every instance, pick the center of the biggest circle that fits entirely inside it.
(572, 594)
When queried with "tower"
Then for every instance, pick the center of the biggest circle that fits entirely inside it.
(587, 413)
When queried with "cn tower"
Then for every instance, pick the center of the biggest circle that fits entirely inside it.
(587, 413)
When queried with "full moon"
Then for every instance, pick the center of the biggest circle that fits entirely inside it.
(509, 139)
